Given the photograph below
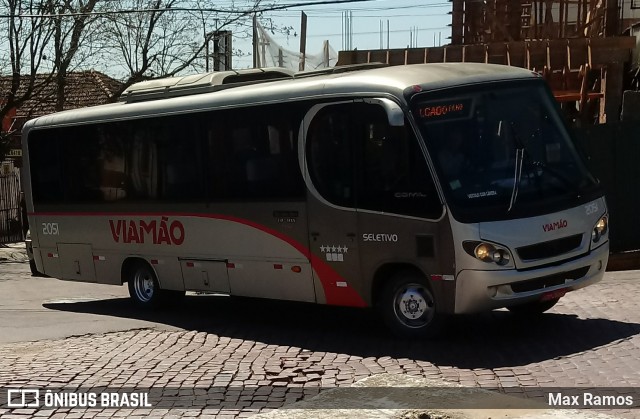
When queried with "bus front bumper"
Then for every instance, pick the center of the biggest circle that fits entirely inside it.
(487, 290)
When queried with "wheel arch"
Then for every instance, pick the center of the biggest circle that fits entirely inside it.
(385, 273)
(129, 263)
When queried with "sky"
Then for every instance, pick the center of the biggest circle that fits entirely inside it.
(427, 20)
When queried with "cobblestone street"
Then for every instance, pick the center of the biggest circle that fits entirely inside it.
(261, 355)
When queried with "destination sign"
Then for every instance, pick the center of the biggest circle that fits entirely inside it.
(444, 110)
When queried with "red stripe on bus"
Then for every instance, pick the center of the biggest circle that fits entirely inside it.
(340, 296)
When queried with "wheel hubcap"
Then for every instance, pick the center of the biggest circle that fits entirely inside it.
(144, 286)
(414, 305)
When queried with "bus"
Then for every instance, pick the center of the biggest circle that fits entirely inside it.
(420, 191)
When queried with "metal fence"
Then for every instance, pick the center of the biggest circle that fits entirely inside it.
(10, 211)
(614, 157)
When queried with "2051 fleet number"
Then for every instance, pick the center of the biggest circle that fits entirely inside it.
(50, 229)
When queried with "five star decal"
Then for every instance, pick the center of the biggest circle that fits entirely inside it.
(334, 253)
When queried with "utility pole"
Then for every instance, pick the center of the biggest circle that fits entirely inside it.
(303, 41)
(256, 58)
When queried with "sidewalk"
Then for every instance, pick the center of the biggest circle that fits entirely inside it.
(13, 252)
(625, 261)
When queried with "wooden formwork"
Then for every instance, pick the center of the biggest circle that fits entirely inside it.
(584, 73)
(476, 22)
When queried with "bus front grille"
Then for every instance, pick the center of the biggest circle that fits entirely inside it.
(549, 281)
(549, 249)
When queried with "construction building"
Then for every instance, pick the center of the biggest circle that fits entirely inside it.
(577, 45)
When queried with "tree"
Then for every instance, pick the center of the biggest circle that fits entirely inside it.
(28, 39)
(134, 40)
(71, 26)
(168, 37)
(45, 39)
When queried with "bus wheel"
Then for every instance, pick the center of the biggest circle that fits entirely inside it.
(34, 269)
(533, 308)
(143, 286)
(409, 307)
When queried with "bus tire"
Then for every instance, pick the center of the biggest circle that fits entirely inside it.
(34, 269)
(534, 308)
(408, 306)
(144, 287)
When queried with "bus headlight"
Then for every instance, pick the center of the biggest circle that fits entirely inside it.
(487, 252)
(600, 229)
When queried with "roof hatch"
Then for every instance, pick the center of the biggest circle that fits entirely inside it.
(200, 83)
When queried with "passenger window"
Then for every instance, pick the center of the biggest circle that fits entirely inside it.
(165, 160)
(44, 154)
(330, 154)
(112, 162)
(256, 160)
(79, 153)
(394, 175)
(146, 159)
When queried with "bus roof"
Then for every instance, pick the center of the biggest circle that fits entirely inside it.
(388, 80)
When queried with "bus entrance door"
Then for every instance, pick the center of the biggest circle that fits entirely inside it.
(333, 220)
(335, 258)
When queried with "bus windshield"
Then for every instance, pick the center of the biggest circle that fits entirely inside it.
(501, 151)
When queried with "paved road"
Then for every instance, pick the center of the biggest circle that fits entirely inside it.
(89, 336)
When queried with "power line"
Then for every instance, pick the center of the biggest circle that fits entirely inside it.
(373, 9)
(185, 9)
(368, 16)
(377, 32)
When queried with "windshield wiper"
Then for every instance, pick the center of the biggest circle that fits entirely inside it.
(517, 178)
(520, 152)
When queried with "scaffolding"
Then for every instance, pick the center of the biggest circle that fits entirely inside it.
(573, 44)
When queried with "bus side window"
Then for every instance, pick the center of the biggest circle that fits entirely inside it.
(395, 177)
(330, 154)
(180, 159)
(143, 159)
(254, 161)
(80, 153)
(44, 154)
(112, 162)
(218, 163)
